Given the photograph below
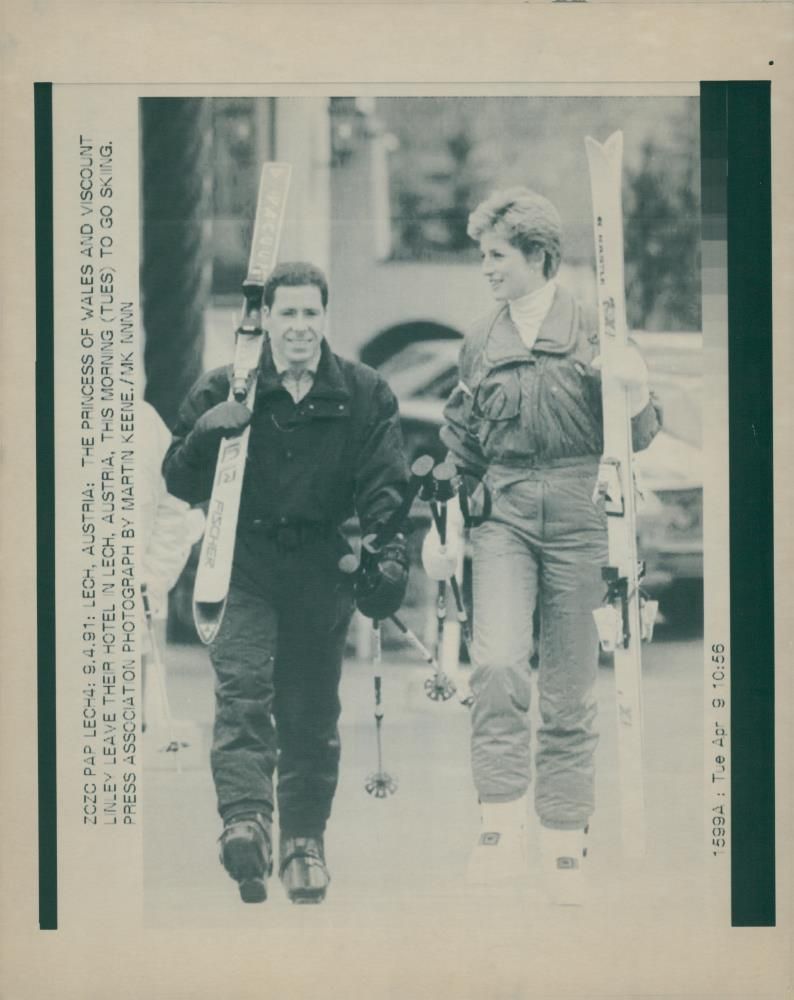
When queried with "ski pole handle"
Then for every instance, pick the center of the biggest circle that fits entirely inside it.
(445, 486)
(420, 472)
(446, 481)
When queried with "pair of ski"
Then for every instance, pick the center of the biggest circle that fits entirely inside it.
(217, 550)
(622, 620)
(619, 621)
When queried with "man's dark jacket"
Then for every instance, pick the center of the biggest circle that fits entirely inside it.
(340, 449)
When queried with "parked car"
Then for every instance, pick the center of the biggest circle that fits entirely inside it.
(669, 472)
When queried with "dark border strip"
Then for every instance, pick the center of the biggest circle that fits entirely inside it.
(45, 511)
(742, 113)
(752, 511)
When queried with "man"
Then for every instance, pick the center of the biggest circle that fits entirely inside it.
(325, 441)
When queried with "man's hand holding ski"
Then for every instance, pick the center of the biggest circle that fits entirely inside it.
(226, 419)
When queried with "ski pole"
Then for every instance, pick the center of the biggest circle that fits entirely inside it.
(438, 687)
(213, 573)
(444, 476)
(380, 783)
(438, 509)
(420, 475)
(463, 500)
(473, 520)
(449, 484)
(469, 522)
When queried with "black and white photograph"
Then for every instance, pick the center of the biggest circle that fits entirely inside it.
(400, 605)
(401, 556)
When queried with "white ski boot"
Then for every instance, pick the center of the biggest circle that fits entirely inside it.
(500, 854)
(563, 853)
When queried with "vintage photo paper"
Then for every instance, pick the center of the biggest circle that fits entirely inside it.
(155, 173)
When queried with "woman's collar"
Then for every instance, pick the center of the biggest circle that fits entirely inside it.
(557, 333)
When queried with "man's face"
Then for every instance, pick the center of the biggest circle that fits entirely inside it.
(296, 323)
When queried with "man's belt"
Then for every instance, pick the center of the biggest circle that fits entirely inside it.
(289, 535)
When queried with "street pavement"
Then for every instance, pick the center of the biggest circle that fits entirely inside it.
(397, 863)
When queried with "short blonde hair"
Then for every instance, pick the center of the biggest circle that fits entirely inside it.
(525, 219)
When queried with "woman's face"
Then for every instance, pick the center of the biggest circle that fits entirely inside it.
(509, 273)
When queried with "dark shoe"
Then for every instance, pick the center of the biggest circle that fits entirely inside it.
(302, 869)
(246, 855)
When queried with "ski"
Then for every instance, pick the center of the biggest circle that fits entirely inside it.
(619, 620)
(217, 549)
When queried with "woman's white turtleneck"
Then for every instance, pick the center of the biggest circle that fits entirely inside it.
(529, 311)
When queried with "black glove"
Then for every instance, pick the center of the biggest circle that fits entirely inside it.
(223, 420)
(382, 580)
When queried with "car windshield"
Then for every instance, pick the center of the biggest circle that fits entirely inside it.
(425, 369)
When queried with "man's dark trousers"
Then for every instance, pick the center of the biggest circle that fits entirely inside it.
(278, 660)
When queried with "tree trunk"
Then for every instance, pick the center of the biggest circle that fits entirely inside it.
(176, 251)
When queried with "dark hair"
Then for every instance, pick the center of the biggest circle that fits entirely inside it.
(525, 219)
(295, 274)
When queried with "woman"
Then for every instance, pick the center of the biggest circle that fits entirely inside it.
(526, 419)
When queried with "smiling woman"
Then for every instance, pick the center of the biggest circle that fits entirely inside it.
(526, 419)
(509, 271)
(519, 236)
